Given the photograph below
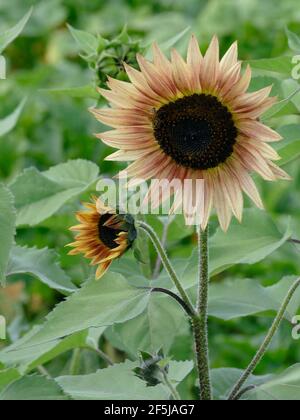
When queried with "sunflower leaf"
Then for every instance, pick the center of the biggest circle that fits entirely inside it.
(37, 388)
(246, 243)
(112, 383)
(9, 122)
(99, 303)
(8, 36)
(7, 228)
(40, 263)
(39, 195)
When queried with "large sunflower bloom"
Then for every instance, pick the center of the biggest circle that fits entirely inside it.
(193, 119)
(103, 235)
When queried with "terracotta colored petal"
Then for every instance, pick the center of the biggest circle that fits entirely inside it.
(102, 269)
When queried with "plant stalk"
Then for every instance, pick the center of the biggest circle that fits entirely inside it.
(166, 263)
(200, 322)
(266, 343)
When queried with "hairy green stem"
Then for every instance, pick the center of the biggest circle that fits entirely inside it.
(200, 322)
(266, 343)
(166, 263)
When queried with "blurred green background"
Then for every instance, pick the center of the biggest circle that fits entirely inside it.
(55, 126)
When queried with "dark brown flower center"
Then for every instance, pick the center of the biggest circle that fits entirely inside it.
(197, 131)
(107, 235)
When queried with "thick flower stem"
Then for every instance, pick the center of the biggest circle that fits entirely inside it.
(200, 324)
(265, 345)
(166, 263)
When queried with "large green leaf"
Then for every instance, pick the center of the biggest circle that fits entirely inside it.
(28, 358)
(7, 228)
(162, 314)
(294, 41)
(99, 303)
(36, 388)
(39, 195)
(224, 379)
(86, 91)
(282, 65)
(9, 122)
(284, 387)
(246, 243)
(41, 263)
(8, 36)
(119, 383)
(239, 298)
(7, 376)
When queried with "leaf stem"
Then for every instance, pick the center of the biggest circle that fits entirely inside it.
(266, 343)
(75, 362)
(168, 383)
(200, 322)
(166, 262)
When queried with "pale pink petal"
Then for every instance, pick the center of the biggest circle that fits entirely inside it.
(123, 101)
(253, 161)
(208, 198)
(249, 100)
(129, 155)
(229, 79)
(241, 86)
(233, 191)
(255, 112)
(264, 149)
(194, 61)
(246, 182)
(221, 203)
(279, 173)
(126, 89)
(164, 68)
(154, 78)
(122, 117)
(210, 67)
(140, 82)
(257, 130)
(182, 73)
(230, 58)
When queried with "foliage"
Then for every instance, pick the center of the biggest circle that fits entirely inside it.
(60, 321)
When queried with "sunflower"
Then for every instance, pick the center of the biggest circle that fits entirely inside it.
(193, 119)
(103, 235)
